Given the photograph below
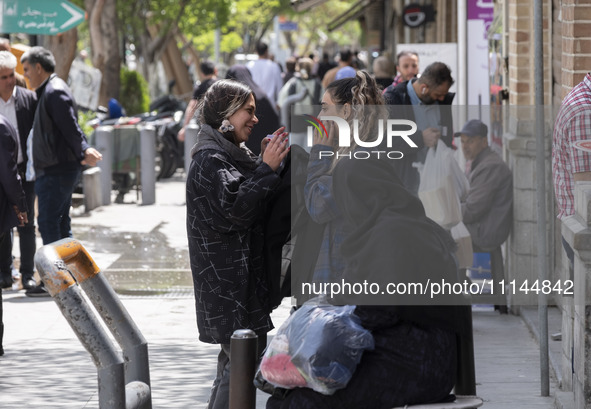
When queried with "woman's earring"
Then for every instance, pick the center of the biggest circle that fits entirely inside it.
(226, 126)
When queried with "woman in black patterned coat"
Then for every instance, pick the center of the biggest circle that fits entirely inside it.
(227, 191)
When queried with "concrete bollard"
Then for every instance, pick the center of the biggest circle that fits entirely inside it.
(148, 164)
(243, 359)
(105, 145)
(91, 186)
(190, 140)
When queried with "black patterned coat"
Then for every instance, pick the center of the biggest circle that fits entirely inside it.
(227, 191)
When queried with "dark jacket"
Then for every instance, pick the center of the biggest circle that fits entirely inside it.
(397, 96)
(11, 191)
(487, 211)
(227, 193)
(25, 106)
(58, 141)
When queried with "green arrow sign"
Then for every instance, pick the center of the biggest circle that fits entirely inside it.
(47, 17)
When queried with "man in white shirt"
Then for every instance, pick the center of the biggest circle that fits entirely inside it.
(266, 73)
(18, 105)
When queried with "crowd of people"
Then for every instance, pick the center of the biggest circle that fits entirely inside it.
(43, 152)
(240, 167)
(241, 173)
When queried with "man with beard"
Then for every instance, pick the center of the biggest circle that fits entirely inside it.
(428, 102)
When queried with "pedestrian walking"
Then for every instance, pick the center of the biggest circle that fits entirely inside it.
(266, 73)
(57, 149)
(407, 66)
(208, 76)
(428, 102)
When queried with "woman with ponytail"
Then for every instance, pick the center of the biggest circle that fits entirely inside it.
(357, 98)
(377, 232)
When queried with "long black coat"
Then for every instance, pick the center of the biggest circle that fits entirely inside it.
(227, 192)
(11, 191)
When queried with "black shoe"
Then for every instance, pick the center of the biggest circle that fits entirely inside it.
(1, 351)
(29, 283)
(4, 283)
(38, 291)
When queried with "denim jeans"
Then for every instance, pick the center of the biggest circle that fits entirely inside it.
(54, 194)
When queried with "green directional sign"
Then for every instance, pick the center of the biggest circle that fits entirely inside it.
(47, 17)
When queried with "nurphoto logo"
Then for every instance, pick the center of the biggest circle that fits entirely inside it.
(387, 128)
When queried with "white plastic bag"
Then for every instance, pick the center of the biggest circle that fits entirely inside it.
(461, 235)
(442, 184)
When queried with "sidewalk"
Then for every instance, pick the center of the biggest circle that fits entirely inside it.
(142, 249)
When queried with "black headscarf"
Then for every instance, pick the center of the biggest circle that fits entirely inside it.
(265, 111)
(391, 240)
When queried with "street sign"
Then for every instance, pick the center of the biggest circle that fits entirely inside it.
(47, 17)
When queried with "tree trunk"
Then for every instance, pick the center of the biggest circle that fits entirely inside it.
(63, 47)
(104, 39)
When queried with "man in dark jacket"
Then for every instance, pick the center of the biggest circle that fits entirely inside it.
(13, 206)
(18, 105)
(487, 210)
(59, 147)
(428, 104)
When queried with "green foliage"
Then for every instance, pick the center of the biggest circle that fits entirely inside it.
(134, 95)
(246, 19)
(83, 118)
(194, 17)
(250, 20)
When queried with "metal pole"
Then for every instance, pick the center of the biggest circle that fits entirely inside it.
(243, 357)
(541, 193)
(462, 53)
(105, 145)
(287, 110)
(68, 296)
(133, 344)
(406, 28)
(148, 164)
(190, 140)
(62, 265)
(217, 40)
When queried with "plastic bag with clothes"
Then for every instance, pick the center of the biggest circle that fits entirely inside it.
(318, 347)
(442, 186)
